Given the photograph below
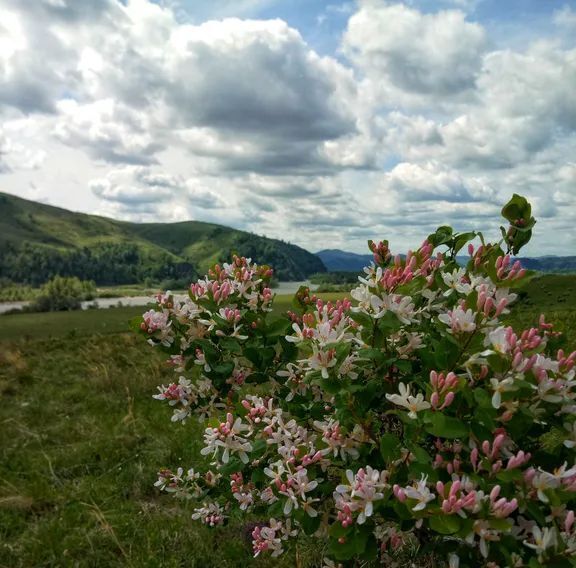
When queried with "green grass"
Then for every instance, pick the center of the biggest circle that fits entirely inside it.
(66, 324)
(82, 439)
(553, 295)
(81, 442)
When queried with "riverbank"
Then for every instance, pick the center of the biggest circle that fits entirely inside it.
(284, 288)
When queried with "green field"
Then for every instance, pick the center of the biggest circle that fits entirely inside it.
(81, 442)
(82, 439)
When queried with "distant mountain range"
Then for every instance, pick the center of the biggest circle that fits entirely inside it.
(336, 260)
(340, 260)
(38, 241)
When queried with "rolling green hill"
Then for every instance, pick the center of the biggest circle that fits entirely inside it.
(38, 241)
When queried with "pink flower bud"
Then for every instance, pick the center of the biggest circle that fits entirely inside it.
(399, 493)
(569, 521)
(495, 492)
(448, 400)
(488, 306)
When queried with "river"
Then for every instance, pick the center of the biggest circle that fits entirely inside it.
(282, 289)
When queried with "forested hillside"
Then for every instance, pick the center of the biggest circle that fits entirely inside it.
(38, 241)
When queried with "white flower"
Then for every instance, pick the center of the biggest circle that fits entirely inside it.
(543, 539)
(322, 360)
(455, 282)
(420, 492)
(453, 560)
(364, 298)
(413, 404)
(362, 490)
(229, 437)
(499, 387)
(459, 320)
(499, 340)
(403, 307)
(299, 335)
(571, 442)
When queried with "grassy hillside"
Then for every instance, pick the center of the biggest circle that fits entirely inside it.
(38, 241)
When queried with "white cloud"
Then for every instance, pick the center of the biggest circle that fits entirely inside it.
(133, 110)
(135, 185)
(108, 130)
(401, 50)
(565, 18)
(16, 156)
(431, 181)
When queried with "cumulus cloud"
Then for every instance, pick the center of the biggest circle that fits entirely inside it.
(400, 49)
(263, 80)
(16, 156)
(159, 115)
(431, 181)
(250, 94)
(135, 185)
(108, 131)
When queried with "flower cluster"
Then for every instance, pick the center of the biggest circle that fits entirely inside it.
(410, 417)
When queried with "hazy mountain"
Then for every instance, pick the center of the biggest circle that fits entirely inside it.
(339, 260)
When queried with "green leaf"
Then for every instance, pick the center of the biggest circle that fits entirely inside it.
(225, 369)
(232, 466)
(517, 208)
(420, 454)
(500, 524)
(258, 476)
(462, 239)
(445, 524)
(253, 355)
(135, 323)
(508, 475)
(447, 427)
(336, 530)
(482, 398)
(370, 551)
(374, 354)
(230, 344)
(278, 327)
(442, 236)
(389, 322)
(309, 524)
(390, 447)
(276, 510)
(362, 318)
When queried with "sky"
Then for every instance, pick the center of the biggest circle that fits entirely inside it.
(321, 123)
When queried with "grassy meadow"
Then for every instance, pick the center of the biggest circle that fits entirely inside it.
(82, 439)
(81, 442)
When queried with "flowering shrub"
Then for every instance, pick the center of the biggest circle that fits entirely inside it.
(406, 419)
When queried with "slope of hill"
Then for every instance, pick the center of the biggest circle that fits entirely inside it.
(339, 260)
(38, 241)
